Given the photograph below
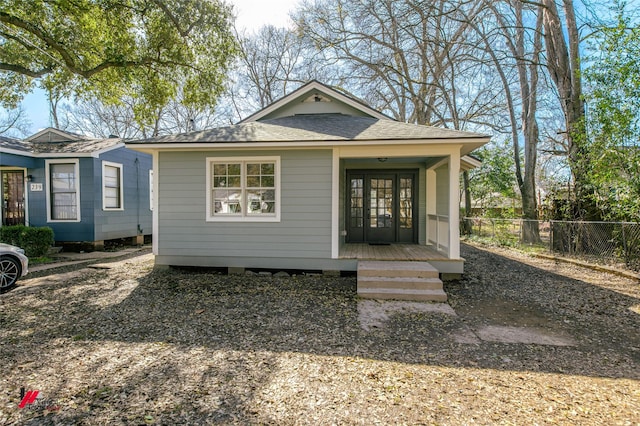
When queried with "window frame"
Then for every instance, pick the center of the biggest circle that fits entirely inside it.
(76, 171)
(244, 216)
(119, 167)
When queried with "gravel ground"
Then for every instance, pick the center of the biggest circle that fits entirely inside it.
(521, 341)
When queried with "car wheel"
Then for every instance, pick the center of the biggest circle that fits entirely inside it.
(9, 272)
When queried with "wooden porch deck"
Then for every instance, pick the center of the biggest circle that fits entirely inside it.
(400, 252)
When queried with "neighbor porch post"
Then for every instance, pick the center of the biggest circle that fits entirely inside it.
(454, 205)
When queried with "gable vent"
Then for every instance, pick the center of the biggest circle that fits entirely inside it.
(316, 97)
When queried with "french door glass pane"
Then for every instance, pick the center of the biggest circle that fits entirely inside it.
(406, 203)
(381, 203)
(357, 205)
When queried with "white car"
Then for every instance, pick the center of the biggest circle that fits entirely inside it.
(13, 265)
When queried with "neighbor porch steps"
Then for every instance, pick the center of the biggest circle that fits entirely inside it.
(400, 280)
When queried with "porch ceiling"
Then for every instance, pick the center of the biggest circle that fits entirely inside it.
(429, 161)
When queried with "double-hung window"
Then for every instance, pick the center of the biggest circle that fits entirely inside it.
(63, 190)
(246, 189)
(112, 192)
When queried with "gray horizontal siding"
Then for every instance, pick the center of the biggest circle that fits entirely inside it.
(303, 232)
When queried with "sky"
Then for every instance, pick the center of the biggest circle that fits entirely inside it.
(251, 15)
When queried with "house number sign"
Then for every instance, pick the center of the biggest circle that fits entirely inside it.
(35, 186)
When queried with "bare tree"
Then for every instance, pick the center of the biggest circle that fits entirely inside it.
(405, 58)
(14, 122)
(95, 118)
(562, 42)
(272, 62)
(92, 117)
(514, 47)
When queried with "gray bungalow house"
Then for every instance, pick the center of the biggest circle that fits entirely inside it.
(315, 181)
(87, 190)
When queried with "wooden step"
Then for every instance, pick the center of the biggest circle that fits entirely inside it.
(400, 283)
(418, 281)
(377, 268)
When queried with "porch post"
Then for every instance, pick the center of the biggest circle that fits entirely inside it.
(454, 205)
(431, 190)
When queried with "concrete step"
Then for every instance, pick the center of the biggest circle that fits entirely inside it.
(400, 283)
(403, 294)
(394, 269)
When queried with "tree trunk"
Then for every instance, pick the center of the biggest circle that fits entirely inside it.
(563, 63)
(528, 73)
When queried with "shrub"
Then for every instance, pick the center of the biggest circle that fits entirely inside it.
(34, 241)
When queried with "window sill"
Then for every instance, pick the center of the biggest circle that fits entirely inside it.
(243, 219)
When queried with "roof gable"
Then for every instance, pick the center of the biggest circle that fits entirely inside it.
(315, 98)
(55, 142)
(51, 134)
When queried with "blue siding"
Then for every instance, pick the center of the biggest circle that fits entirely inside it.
(97, 224)
(136, 216)
(37, 199)
(70, 231)
(13, 160)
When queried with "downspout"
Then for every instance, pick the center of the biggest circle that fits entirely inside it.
(137, 163)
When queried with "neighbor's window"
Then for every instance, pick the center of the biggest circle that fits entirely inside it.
(63, 191)
(112, 193)
(244, 189)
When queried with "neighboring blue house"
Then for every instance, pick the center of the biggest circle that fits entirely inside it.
(87, 190)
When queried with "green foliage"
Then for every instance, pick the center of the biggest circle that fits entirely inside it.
(35, 241)
(613, 156)
(109, 48)
(493, 183)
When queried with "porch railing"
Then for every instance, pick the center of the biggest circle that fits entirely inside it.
(438, 232)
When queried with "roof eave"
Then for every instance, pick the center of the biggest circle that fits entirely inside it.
(470, 143)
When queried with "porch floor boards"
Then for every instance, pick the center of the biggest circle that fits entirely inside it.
(399, 252)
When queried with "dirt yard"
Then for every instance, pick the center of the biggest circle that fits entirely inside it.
(521, 341)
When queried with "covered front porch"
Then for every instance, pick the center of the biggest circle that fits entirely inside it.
(399, 203)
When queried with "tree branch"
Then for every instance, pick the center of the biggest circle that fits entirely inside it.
(24, 70)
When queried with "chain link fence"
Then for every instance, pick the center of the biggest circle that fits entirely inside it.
(601, 242)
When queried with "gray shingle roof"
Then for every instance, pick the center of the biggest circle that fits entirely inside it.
(86, 146)
(313, 127)
(15, 144)
(76, 147)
